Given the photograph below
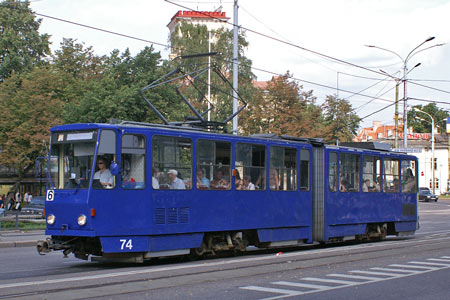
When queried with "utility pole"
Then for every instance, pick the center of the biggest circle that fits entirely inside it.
(235, 67)
(209, 76)
(396, 115)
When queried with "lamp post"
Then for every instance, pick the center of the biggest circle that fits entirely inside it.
(397, 83)
(432, 146)
(405, 73)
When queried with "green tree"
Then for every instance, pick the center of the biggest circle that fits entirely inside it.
(115, 94)
(190, 39)
(30, 105)
(21, 45)
(78, 60)
(339, 120)
(421, 123)
(283, 107)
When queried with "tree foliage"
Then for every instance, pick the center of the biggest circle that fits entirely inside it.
(31, 105)
(421, 123)
(21, 45)
(190, 39)
(339, 119)
(283, 107)
(114, 92)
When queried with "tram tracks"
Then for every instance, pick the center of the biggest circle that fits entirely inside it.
(136, 279)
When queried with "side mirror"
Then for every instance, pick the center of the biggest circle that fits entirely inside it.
(114, 168)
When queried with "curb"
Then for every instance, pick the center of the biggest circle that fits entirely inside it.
(18, 244)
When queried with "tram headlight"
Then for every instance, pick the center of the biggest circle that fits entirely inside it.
(82, 220)
(51, 219)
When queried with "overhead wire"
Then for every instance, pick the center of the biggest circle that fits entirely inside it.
(284, 42)
(280, 41)
(429, 87)
(165, 45)
(255, 68)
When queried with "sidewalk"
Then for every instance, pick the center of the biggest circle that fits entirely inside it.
(18, 238)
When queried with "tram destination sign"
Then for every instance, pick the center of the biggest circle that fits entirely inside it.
(408, 150)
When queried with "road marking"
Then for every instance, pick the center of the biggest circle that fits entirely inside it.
(303, 285)
(272, 290)
(314, 288)
(376, 273)
(428, 263)
(328, 280)
(355, 277)
(439, 259)
(396, 270)
(413, 267)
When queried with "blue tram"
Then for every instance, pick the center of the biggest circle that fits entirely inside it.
(133, 191)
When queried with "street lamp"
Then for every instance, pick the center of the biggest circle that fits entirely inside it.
(432, 145)
(397, 82)
(405, 72)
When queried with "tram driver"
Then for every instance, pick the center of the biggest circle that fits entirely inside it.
(104, 174)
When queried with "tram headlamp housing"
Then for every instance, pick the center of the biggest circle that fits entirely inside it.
(82, 220)
(51, 219)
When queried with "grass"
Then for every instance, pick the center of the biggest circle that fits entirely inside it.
(21, 225)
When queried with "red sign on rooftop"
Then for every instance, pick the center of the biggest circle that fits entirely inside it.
(200, 14)
(417, 136)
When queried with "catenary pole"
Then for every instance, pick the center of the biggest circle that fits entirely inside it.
(235, 67)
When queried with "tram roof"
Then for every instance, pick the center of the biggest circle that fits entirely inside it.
(185, 129)
(318, 142)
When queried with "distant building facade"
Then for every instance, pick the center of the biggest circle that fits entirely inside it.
(213, 20)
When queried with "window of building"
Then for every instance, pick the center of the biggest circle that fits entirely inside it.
(133, 161)
(283, 169)
(349, 172)
(250, 165)
(213, 165)
(332, 172)
(391, 175)
(172, 162)
(371, 173)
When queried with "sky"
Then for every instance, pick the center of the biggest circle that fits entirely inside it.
(324, 42)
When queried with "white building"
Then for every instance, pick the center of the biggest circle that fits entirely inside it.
(441, 162)
(213, 20)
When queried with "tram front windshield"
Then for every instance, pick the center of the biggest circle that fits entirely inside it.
(71, 158)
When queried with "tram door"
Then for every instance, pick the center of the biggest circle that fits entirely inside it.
(121, 195)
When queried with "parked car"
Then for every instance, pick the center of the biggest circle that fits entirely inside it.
(425, 194)
(36, 206)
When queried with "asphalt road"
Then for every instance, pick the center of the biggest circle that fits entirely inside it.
(410, 268)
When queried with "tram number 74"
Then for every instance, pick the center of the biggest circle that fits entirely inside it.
(126, 244)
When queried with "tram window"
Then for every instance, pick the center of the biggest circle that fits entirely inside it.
(106, 153)
(409, 179)
(332, 172)
(283, 168)
(250, 165)
(213, 165)
(391, 178)
(349, 172)
(304, 169)
(172, 162)
(371, 173)
(133, 161)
